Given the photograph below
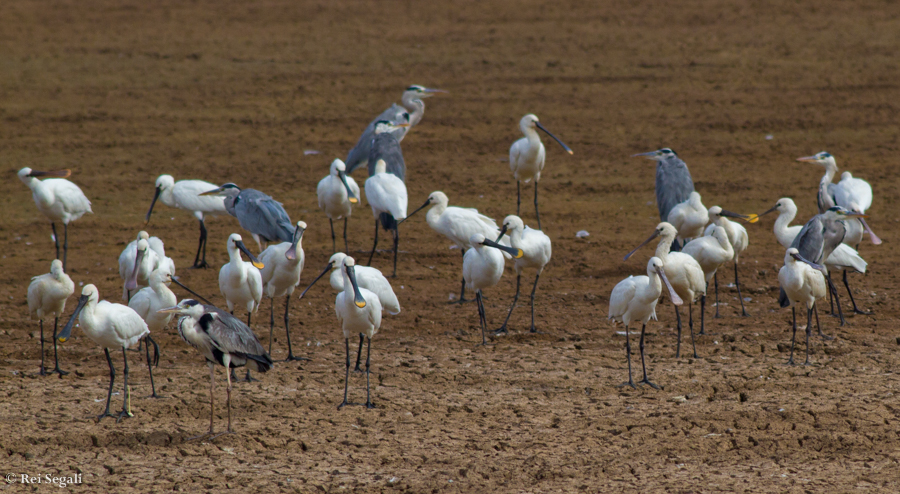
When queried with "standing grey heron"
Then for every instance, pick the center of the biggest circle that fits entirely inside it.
(59, 200)
(224, 340)
(409, 111)
(818, 238)
(185, 194)
(259, 214)
(673, 181)
(526, 159)
(825, 195)
(386, 147)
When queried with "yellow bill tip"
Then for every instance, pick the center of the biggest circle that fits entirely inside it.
(571, 152)
(519, 254)
(62, 340)
(353, 200)
(360, 304)
(258, 265)
(752, 218)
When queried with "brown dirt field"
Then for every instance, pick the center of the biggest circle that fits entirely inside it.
(121, 91)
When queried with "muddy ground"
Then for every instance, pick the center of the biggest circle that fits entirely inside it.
(120, 92)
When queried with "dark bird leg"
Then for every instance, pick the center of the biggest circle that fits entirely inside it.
(481, 317)
(44, 372)
(645, 380)
(55, 239)
(678, 345)
(536, 212)
(271, 323)
(702, 316)
(212, 402)
(287, 330)
(837, 300)
(831, 304)
(333, 244)
(347, 373)
(248, 378)
(374, 244)
(198, 263)
(502, 329)
(359, 354)
(793, 334)
(740, 297)
(369, 403)
(716, 279)
(855, 308)
(56, 368)
(462, 291)
(809, 330)
(112, 379)
(518, 197)
(346, 244)
(629, 382)
(691, 326)
(533, 289)
(65, 245)
(150, 363)
(396, 248)
(126, 403)
(818, 326)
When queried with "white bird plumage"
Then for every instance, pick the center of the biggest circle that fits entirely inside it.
(136, 262)
(689, 217)
(386, 194)
(739, 240)
(483, 266)
(711, 252)
(47, 295)
(527, 156)
(337, 193)
(239, 281)
(536, 249)
(280, 275)
(803, 285)
(367, 277)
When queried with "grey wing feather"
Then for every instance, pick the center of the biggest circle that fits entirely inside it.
(673, 185)
(386, 147)
(359, 155)
(810, 242)
(829, 201)
(231, 335)
(260, 214)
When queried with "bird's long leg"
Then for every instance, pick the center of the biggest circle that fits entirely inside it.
(678, 344)
(369, 403)
(396, 248)
(287, 330)
(536, 211)
(645, 380)
(226, 361)
(702, 316)
(65, 244)
(481, 317)
(126, 403)
(248, 378)
(837, 300)
(793, 334)
(359, 354)
(198, 263)
(855, 308)
(333, 244)
(374, 244)
(347, 373)
(716, 279)
(346, 244)
(691, 326)
(112, 379)
(43, 372)
(818, 326)
(212, 402)
(56, 368)
(533, 289)
(462, 291)
(228, 401)
(518, 197)
(740, 297)
(503, 329)
(55, 239)
(809, 312)
(150, 364)
(271, 323)
(831, 304)
(629, 382)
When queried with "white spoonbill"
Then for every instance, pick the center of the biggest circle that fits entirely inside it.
(684, 273)
(536, 247)
(136, 262)
(386, 194)
(337, 193)
(689, 218)
(843, 258)
(59, 200)
(458, 225)
(526, 159)
(239, 281)
(185, 194)
(366, 277)
(739, 240)
(358, 311)
(148, 301)
(634, 299)
(803, 283)
(711, 253)
(482, 268)
(280, 275)
(224, 340)
(47, 295)
(110, 326)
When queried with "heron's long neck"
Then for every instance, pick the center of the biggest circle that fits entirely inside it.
(781, 226)
(416, 108)
(830, 170)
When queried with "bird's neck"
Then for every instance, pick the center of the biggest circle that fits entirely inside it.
(434, 213)
(40, 192)
(662, 248)
(782, 223)
(416, 108)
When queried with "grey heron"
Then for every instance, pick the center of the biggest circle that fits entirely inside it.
(58, 199)
(259, 214)
(409, 111)
(673, 181)
(825, 194)
(526, 159)
(185, 194)
(386, 147)
(224, 340)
